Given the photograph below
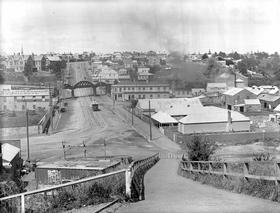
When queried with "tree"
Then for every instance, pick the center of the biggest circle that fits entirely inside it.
(43, 64)
(28, 67)
(154, 69)
(242, 67)
(204, 56)
(222, 54)
(57, 67)
(200, 148)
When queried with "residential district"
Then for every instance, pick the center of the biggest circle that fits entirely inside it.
(66, 117)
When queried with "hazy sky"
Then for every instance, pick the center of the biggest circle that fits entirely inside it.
(115, 25)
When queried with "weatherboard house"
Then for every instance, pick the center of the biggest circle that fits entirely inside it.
(212, 119)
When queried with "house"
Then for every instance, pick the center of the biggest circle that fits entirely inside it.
(182, 93)
(143, 73)
(105, 74)
(268, 101)
(51, 59)
(216, 87)
(234, 98)
(123, 74)
(212, 119)
(153, 60)
(252, 105)
(268, 89)
(16, 62)
(232, 79)
(197, 91)
(133, 91)
(11, 160)
(38, 62)
(128, 63)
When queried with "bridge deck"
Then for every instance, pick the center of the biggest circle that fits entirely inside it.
(168, 192)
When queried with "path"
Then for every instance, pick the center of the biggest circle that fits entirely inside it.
(165, 191)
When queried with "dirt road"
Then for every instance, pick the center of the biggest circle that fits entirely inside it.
(166, 191)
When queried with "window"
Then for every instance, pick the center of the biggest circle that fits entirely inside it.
(144, 96)
(5, 107)
(151, 88)
(158, 88)
(158, 95)
(23, 107)
(151, 96)
(143, 88)
(43, 96)
(34, 106)
(5, 99)
(15, 98)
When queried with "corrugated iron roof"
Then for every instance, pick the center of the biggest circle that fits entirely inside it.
(9, 152)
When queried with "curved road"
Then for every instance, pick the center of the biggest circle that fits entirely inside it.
(165, 191)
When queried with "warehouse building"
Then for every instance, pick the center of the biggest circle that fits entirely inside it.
(16, 98)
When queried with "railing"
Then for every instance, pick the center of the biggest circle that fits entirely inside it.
(18, 202)
(135, 176)
(236, 169)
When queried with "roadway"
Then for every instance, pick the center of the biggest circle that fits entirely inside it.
(166, 191)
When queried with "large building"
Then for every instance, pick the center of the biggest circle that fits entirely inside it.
(212, 119)
(133, 91)
(18, 98)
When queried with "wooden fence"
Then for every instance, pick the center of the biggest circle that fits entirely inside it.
(130, 180)
(243, 171)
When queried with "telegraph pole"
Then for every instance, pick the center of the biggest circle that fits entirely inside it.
(132, 115)
(150, 122)
(27, 131)
(50, 107)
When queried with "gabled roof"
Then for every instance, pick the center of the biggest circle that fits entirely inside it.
(9, 152)
(252, 102)
(277, 109)
(233, 91)
(163, 118)
(216, 85)
(166, 104)
(53, 58)
(211, 114)
(255, 90)
(268, 97)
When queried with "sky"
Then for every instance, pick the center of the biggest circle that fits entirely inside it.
(41, 26)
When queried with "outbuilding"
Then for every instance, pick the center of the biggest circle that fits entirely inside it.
(213, 119)
(268, 101)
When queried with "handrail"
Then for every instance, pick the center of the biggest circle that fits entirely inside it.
(225, 171)
(62, 185)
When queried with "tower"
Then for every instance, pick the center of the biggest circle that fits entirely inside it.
(21, 52)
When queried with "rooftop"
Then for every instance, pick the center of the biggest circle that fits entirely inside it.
(163, 117)
(233, 91)
(212, 114)
(268, 97)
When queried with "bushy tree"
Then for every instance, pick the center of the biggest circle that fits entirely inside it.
(200, 148)
(28, 67)
(204, 56)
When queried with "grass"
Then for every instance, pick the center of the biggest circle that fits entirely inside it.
(18, 119)
(73, 197)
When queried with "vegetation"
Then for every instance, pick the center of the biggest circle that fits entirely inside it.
(78, 196)
(57, 67)
(200, 148)
(28, 67)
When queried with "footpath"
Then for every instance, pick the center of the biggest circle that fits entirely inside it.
(166, 191)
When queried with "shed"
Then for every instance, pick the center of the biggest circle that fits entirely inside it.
(213, 119)
(163, 119)
(252, 105)
(269, 101)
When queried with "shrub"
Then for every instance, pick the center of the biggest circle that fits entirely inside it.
(200, 148)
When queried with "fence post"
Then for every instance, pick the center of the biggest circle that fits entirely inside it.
(22, 204)
(245, 170)
(277, 177)
(225, 169)
(210, 168)
(128, 183)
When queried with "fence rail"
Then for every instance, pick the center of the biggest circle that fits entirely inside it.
(18, 201)
(222, 168)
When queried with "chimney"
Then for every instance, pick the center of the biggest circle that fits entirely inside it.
(229, 117)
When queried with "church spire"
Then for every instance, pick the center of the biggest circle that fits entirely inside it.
(21, 50)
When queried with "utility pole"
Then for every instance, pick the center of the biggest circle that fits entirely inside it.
(132, 115)
(105, 148)
(150, 121)
(27, 131)
(50, 108)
